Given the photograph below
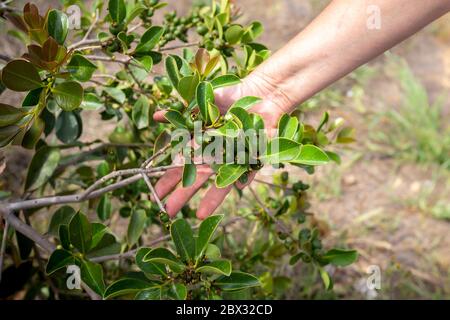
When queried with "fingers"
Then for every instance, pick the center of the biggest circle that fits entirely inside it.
(215, 196)
(159, 116)
(181, 196)
(168, 182)
(212, 199)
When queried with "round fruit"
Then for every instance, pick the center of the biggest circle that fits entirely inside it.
(116, 28)
(284, 176)
(202, 30)
(153, 2)
(177, 106)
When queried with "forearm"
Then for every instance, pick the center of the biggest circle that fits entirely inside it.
(334, 44)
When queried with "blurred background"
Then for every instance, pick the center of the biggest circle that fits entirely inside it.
(390, 197)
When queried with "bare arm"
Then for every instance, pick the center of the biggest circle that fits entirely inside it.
(335, 43)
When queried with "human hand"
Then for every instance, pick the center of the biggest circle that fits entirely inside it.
(224, 98)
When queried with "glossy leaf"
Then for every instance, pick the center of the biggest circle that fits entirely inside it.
(117, 10)
(175, 118)
(10, 115)
(57, 25)
(42, 166)
(172, 70)
(234, 34)
(205, 233)
(59, 259)
(21, 75)
(68, 127)
(327, 282)
(116, 94)
(33, 134)
(243, 116)
(68, 95)
(311, 155)
(61, 216)
(164, 256)
(141, 112)
(205, 95)
(104, 208)
(237, 281)
(222, 267)
(281, 150)
(225, 80)
(92, 275)
(136, 226)
(340, 257)
(229, 173)
(189, 174)
(81, 68)
(125, 286)
(149, 39)
(246, 102)
(179, 291)
(187, 86)
(80, 232)
(229, 129)
(149, 267)
(182, 236)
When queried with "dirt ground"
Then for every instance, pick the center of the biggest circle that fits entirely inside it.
(370, 202)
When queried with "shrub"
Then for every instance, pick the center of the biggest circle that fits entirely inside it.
(211, 260)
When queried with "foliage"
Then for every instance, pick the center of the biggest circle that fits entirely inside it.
(61, 84)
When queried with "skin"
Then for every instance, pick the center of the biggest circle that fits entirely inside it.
(334, 44)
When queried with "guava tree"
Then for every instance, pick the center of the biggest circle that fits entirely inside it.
(122, 65)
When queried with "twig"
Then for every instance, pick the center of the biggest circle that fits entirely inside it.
(269, 212)
(111, 59)
(152, 190)
(3, 247)
(85, 40)
(273, 185)
(184, 45)
(91, 47)
(137, 26)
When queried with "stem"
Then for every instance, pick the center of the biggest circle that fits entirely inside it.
(184, 45)
(3, 247)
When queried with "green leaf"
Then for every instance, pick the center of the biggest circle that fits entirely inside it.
(81, 68)
(104, 208)
(213, 113)
(136, 11)
(108, 244)
(149, 39)
(237, 281)
(63, 234)
(179, 291)
(10, 115)
(287, 127)
(68, 95)
(243, 116)
(21, 75)
(189, 174)
(141, 113)
(182, 236)
(327, 282)
(154, 293)
(225, 80)
(172, 70)
(205, 233)
(125, 286)
(57, 25)
(281, 150)
(61, 216)
(229, 129)
(33, 134)
(175, 118)
(339, 257)
(115, 93)
(99, 230)
(187, 86)
(92, 275)
(68, 127)
(91, 102)
(59, 259)
(346, 135)
(136, 226)
(149, 267)
(212, 252)
(205, 95)
(234, 34)
(222, 267)
(333, 156)
(324, 121)
(246, 102)
(311, 155)
(80, 232)
(162, 255)
(229, 173)
(117, 10)
(42, 166)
